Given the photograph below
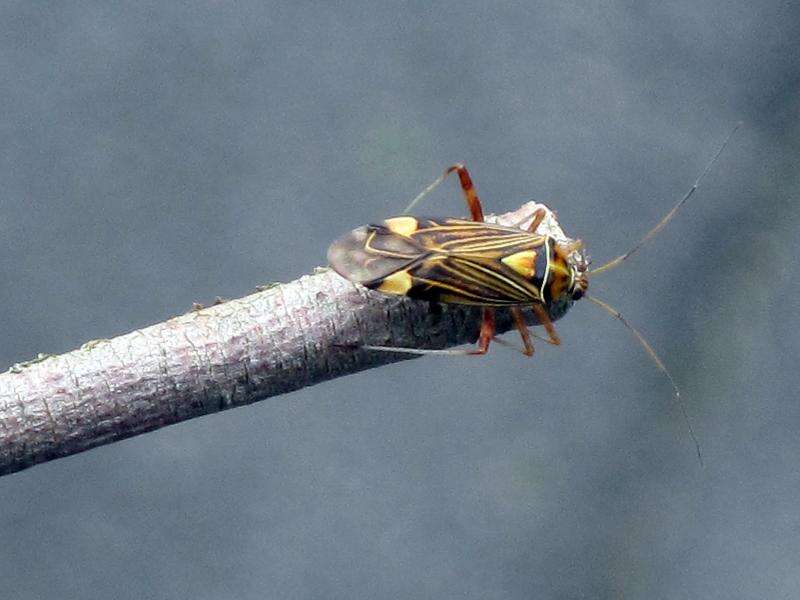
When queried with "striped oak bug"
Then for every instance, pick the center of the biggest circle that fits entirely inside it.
(450, 260)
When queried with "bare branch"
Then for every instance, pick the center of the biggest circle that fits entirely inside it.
(280, 339)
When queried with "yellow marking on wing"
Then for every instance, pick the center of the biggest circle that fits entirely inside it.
(506, 290)
(466, 226)
(455, 272)
(382, 251)
(523, 263)
(402, 225)
(488, 243)
(397, 283)
(496, 278)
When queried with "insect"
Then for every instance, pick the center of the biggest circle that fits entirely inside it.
(452, 260)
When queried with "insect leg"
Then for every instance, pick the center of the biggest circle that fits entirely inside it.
(487, 331)
(544, 321)
(538, 217)
(420, 351)
(522, 327)
(470, 195)
(484, 338)
(467, 187)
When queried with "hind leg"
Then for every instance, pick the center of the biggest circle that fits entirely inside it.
(467, 188)
(485, 337)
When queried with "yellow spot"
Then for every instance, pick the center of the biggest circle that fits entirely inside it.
(523, 263)
(402, 225)
(396, 283)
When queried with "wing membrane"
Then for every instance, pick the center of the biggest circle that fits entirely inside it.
(372, 253)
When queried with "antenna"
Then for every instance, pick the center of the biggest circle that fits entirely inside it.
(649, 349)
(668, 217)
(432, 186)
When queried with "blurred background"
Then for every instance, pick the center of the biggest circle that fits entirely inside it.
(158, 154)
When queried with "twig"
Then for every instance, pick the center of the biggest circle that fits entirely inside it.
(280, 339)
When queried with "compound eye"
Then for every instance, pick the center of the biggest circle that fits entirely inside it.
(577, 293)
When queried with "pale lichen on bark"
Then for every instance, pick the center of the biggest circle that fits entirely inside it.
(282, 338)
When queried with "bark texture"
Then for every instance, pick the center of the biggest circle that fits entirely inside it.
(280, 339)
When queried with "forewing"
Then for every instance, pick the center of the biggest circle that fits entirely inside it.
(440, 260)
(482, 241)
(468, 263)
(371, 253)
(455, 279)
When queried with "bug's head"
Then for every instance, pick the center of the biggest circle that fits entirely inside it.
(577, 265)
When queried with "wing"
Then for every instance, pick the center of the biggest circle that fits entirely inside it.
(444, 260)
(372, 253)
(453, 279)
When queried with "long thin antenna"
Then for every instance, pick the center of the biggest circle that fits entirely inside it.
(426, 191)
(660, 225)
(649, 349)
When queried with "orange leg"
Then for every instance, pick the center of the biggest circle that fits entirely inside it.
(544, 321)
(487, 332)
(467, 187)
(538, 217)
(484, 339)
(522, 327)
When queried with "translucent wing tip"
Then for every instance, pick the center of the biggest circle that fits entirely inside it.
(371, 253)
(348, 258)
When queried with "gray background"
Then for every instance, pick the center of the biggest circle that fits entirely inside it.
(155, 154)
